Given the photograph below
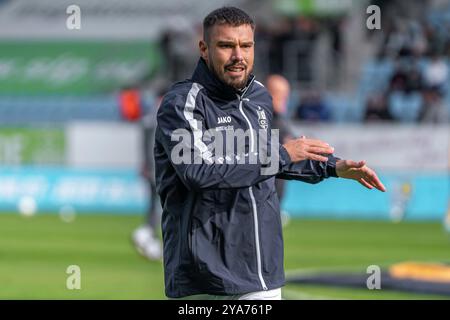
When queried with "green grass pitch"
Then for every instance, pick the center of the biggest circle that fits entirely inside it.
(36, 251)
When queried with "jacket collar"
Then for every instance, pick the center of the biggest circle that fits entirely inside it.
(216, 87)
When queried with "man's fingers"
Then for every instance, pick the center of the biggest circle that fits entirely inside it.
(316, 157)
(373, 179)
(365, 183)
(377, 184)
(320, 150)
(316, 143)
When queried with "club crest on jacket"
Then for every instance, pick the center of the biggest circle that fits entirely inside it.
(262, 119)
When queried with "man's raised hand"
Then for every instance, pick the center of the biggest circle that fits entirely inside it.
(360, 172)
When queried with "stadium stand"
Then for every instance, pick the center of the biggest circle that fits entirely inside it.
(345, 106)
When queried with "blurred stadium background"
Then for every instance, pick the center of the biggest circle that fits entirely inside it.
(70, 140)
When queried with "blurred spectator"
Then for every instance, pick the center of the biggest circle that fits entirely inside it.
(291, 44)
(404, 38)
(165, 43)
(306, 34)
(395, 42)
(336, 27)
(145, 237)
(436, 72)
(377, 109)
(405, 107)
(417, 40)
(406, 78)
(280, 90)
(130, 104)
(414, 80)
(398, 80)
(433, 108)
(179, 52)
(281, 34)
(312, 108)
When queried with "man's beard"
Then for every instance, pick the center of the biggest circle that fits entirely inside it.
(236, 85)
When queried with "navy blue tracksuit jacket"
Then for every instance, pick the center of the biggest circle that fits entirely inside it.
(221, 221)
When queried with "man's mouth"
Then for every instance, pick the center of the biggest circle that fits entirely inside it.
(235, 69)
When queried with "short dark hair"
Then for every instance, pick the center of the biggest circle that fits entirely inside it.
(232, 16)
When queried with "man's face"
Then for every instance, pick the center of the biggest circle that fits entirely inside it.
(229, 53)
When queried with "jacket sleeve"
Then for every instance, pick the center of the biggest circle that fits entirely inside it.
(310, 171)
(176, 116)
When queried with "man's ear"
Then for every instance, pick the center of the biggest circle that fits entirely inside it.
(203, 49)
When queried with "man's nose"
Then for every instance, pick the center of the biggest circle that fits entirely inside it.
(237, 54)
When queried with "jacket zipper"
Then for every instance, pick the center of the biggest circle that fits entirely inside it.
(255, 212)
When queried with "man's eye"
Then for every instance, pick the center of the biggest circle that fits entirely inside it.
(226, 46)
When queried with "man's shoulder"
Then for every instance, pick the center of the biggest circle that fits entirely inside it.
(176, 94)
(178, 97)
(180, 90)
(259, 88)
(259, 85)
(261, 95)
